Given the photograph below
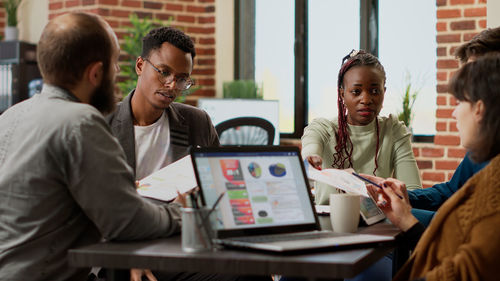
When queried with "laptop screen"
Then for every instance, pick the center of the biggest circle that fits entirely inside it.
(265, 187)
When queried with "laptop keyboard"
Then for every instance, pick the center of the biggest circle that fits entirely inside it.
(284, 237)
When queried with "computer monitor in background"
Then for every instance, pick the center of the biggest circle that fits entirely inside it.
(224, 109)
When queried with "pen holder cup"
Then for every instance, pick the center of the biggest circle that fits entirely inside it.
(198, 229)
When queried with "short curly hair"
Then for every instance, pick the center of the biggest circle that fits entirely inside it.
(156, 37)
(486, 41)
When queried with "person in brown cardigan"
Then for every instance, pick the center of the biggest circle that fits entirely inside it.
(462, 242)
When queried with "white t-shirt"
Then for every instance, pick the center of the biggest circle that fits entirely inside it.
(151, 147)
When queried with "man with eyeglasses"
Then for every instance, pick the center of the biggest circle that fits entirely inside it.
(153, 130)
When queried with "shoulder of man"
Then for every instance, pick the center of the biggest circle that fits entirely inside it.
(120, 111)
(69, 112)
(188, 112)
(201, 129)
(85, 116)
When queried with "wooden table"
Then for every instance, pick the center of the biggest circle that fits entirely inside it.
(167, 255)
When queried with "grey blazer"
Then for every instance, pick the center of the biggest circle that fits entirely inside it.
(189, 126)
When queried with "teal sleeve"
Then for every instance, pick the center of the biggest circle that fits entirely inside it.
(433, 197)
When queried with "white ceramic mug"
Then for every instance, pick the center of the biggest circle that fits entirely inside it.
(344, 212)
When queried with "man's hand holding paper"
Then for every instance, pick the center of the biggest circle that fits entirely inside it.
(166, 182)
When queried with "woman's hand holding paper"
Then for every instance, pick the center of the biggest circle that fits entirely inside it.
(393, 200)
(315, 161)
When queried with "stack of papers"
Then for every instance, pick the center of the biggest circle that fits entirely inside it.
(164, 183)
(340, 179)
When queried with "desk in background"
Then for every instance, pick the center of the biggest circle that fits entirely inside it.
(167, 255)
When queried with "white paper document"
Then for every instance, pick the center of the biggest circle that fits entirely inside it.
(322, 209)
(339, 179)
(164, 183)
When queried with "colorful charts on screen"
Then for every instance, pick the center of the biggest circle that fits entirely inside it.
(254, 170)
(277, 170)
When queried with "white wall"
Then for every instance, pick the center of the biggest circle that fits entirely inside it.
(33, 15)
(224, 43)
(493, 13)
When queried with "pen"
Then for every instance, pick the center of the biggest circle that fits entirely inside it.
(215, 205)
(204, 221)
(371, 182)
(194, 203)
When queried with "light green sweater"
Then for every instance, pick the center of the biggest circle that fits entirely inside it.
(395, 157)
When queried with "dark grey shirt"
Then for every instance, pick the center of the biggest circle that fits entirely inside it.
(64, 183)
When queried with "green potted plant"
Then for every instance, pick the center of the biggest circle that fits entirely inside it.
(11, 31)
(241, 89)
(409, 97)
(132, 45)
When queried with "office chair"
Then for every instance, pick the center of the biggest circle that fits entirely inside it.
(245, 131)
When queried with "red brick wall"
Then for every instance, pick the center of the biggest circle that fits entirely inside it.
(195, 17)
(457, 22)
(3, 20)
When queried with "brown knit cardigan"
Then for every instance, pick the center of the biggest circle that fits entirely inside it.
(463, 240)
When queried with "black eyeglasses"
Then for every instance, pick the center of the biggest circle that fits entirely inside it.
(167, 77)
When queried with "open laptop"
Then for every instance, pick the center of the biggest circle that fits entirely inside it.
(267, 203)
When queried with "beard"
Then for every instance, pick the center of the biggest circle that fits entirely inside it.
(103, 96)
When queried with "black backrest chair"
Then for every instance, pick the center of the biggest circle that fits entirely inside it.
(246, 131)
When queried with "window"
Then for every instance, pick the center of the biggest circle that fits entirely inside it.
(407, 47)
(333, 33)
(299, 46)
(274, 56)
